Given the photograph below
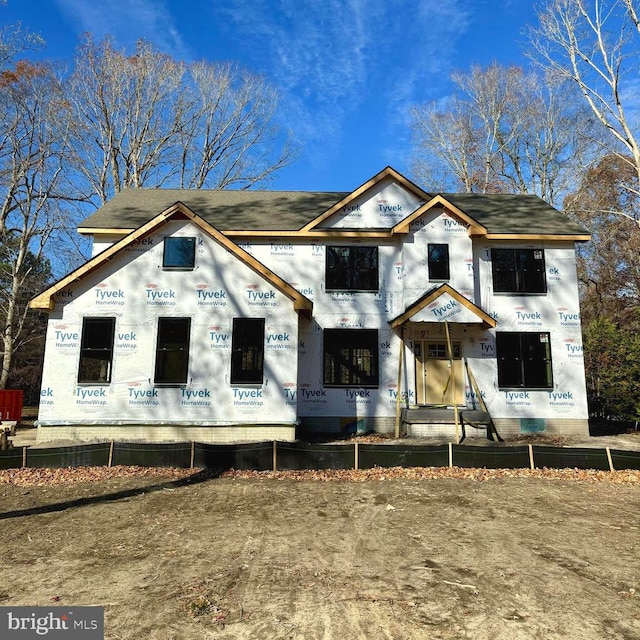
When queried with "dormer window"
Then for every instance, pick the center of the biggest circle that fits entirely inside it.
(179, 253)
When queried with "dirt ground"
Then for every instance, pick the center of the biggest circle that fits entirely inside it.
(359, 558)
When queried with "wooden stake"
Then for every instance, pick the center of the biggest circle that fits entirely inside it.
(110, 454)
(450, 455)
(456, 417)
(356, 461)
(531, 462)
(193, 453)
(275, 455)
(475, 386)
(610, 459)
(24, 457)
(399, 386)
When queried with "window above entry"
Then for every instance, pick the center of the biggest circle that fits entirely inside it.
(518, 271)
(438, 261)
(352, 268)
(179, 253)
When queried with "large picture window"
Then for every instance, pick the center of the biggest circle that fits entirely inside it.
(524, 360)
(172, 350)
(179, 253)
(247, 351)
(518, 271)
(352, 269)
(96, 350)
(438, 260)
(351, 357)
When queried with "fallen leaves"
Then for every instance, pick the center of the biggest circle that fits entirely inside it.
(433, 473)
(40, 477)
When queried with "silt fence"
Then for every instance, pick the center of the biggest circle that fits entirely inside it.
(282, 456)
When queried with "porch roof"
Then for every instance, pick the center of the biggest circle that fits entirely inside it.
(443, 304)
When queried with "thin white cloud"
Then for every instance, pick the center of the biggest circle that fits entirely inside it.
(331, 58)
(127, 21)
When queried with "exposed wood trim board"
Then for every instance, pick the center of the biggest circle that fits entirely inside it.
(427, 299)
(385, 173)
(301, 303)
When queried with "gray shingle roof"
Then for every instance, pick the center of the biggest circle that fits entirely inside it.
(514, 213)
(224, 209)
(230, 210)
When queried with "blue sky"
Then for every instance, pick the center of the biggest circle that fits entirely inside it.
(348, 71)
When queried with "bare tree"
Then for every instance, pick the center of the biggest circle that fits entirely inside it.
(609, 266)
(14, 40)
(33, 144)
(149, 120)
(595, 45)
(503, 130)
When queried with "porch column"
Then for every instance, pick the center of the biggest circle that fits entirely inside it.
(453, 382)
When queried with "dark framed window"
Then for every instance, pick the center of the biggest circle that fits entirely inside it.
(172, 350)
(96, 350)
(352, 269)
(351, 357)
(524, 360)
(247, 351)
(438, 260)
(179, 253)
(518, 271)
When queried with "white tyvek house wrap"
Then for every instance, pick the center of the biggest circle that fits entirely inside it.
(382, 208)
(403, 280)
(134, 289)
(556, 312)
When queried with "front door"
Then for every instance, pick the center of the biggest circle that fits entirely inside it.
(434, 383)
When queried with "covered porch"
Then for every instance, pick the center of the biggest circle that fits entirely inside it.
(442, 396)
